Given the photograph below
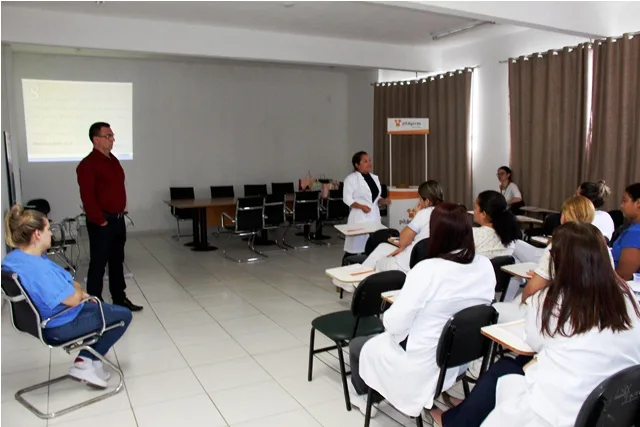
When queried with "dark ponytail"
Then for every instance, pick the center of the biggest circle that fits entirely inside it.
(504, 222)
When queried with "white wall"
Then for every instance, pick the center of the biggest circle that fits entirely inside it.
(200, 125)
(491, 112)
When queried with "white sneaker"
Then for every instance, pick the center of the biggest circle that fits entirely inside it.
(82, 362)
(102, 373)
(360, 400)
(87, 373)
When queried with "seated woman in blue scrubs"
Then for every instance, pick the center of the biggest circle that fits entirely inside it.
(626, 248)
(52, 289)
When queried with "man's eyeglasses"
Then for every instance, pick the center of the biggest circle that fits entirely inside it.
(109, 136)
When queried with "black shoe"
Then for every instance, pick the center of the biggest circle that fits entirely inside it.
(128, 304)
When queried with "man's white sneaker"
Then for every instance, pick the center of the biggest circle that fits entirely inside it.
(82, 362)
(360, 401)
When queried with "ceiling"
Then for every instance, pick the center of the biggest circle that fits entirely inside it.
(365, 21)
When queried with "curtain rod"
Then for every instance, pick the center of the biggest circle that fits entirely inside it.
(555, 51)
(424, 79)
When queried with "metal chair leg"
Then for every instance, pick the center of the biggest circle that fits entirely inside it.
(343, 374)
(312, 340)
(367, 415)
(77, 406)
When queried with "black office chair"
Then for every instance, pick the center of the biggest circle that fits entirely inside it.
(248, 221)
(502, 278)
(550, 223)
(181, 193)
(461, 342)
(419, 252)
(615, 402)
(516, 208)
(255, 190)
(274, 217)
(222, 192)
(334, 208)
(361, 320)
(375, 238)
(26, 318)
(62, 238)
(618, 224)
(282, 188)
(306, 211)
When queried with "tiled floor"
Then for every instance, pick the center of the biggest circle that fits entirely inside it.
(218, 344)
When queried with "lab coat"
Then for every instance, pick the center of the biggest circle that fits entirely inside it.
(552, 391)
(356, 189)
(434, 290)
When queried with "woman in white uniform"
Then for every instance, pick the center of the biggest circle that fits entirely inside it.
(574, 209)
(508, 188)
(498, 229)
(400, 363)
(584, 328)
(361, 193)
(597, 192)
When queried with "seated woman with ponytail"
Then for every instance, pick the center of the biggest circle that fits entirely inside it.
(498, 229)
(52, 290)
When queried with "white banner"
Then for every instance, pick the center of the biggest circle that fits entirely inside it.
(408, 126)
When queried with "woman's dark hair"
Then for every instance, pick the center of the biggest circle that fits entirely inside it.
(504, 222)
(355, 160)
(432, 192)
(507, 169)
(596, 192)
(450, 230)
(585, 292)
(634, 191)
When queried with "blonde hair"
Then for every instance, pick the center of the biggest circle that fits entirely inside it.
(20, 224)
(578, 209)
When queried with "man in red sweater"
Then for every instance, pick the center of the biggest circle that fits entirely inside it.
(101, 181)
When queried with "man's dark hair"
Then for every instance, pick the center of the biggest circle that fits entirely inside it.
(95, 129)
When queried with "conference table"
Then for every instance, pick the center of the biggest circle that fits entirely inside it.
(208, 213)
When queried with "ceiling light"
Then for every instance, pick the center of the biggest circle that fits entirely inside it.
(449, 33)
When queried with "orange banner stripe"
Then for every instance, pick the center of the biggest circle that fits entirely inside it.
(403, 195)
(408, 132)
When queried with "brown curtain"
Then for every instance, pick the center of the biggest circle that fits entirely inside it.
(613, 152)
(446, 101)
(547, 104)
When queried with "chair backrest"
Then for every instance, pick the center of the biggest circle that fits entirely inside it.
(222, 192)
(255, 190)
(282, 188)
(24, 315)
(40, 205)
(249, 214)
(502, 278)
(336, 209)
(377, 237)
(306, 207)
(461, 341)
(181, 193)
(615, 402)
(274, 210)
(550, 223)
(366, 299)
(516, 208)
(419, 252)
(617, 217)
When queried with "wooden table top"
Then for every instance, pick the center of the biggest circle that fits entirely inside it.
(209, 203)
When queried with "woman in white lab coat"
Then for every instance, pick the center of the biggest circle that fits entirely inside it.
(361, 193)
(400, 363)
(584, 327)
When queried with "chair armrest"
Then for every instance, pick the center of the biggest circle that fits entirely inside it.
(44, 323)
(17, 298)
(226, 215)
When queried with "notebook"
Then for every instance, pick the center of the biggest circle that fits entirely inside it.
(359, 228)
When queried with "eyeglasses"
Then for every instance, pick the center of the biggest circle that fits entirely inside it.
(109, 136)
